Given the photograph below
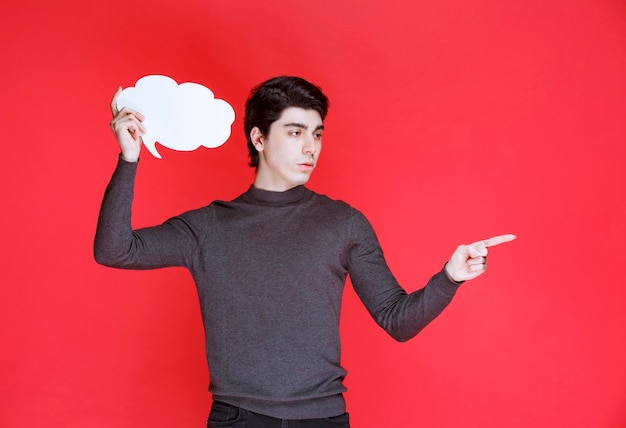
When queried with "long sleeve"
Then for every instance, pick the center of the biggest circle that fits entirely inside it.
(402, 315)
(117, 245)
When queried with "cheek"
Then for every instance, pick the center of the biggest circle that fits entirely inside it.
(279, 159)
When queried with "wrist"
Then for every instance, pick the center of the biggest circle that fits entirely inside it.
(446, 269)
(129, 158)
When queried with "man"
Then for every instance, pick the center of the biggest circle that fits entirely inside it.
(270, 267)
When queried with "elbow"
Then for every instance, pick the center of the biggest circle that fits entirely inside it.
(400, 329)
(102, 258)
(402, 336)
(398, 332)
(101, 251)
(106, 257)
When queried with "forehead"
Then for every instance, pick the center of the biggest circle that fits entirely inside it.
(298, 116)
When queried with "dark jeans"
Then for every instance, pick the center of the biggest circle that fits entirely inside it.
(225, 415)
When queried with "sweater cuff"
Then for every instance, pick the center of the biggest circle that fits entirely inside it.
(122, 158)
(453, 281)
(125, 172)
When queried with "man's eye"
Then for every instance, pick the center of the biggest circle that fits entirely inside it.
(318, 135)
(294, 133)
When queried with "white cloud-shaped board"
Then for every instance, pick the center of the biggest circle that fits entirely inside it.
(181, 117)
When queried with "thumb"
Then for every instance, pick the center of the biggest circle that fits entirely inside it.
(460, 256)
(478, 249)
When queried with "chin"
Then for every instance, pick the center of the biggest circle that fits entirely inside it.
(301, 179)
(304, 181)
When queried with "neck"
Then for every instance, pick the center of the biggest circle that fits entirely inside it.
(274, 184)
(258, 196)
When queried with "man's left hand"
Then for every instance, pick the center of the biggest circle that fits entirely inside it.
(470, 261)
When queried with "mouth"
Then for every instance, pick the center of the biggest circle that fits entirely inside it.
(307, 165)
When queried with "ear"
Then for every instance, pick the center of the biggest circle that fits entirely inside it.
(257, 138)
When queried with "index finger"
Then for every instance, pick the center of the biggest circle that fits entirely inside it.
(497, 240)
(114, 109)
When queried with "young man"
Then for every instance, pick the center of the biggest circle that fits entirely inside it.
(270, 267)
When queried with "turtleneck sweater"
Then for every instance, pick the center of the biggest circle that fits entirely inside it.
(270, 269)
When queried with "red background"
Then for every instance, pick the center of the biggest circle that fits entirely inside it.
(451, 121)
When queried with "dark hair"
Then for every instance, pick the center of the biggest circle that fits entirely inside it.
(267, 101)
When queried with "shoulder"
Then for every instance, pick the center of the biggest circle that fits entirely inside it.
(328, 203)
(351, 216)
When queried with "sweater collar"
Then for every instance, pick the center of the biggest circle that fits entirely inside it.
(267, 197)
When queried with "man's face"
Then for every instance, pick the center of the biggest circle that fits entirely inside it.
(288, 154)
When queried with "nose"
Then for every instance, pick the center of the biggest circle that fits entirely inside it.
(309, 146)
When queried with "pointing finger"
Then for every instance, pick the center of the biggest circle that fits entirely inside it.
(497, 240)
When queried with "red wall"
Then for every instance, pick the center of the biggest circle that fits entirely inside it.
(451, 121)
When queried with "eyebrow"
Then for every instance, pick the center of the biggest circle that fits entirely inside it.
(302, 125)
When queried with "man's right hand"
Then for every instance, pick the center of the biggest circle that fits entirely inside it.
(127, 127)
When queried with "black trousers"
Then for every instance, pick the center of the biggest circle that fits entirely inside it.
(225, 415)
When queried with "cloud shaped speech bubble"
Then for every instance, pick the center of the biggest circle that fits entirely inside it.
(182, 117)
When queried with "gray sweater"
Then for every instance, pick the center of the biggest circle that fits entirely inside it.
(270, 268)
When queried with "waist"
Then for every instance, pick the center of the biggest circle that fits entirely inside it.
(309, 408)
